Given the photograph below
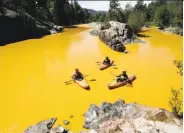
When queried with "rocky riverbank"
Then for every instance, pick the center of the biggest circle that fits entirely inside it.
(172, 30)
(114, 34)
(18, 25)
(119, 117)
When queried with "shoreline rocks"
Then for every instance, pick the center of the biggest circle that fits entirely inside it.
(46, 127)
(130, 118)
(172, 30)
(119, 117)
(114, 34)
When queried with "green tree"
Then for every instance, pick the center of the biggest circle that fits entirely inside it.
(175, 9)
(114, 10)
(140, 6)
(59, 12)
(127, 11)
(150, 11)
(161, 17)
(29, 6)
(136, 20)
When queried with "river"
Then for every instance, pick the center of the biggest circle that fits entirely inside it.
(33, 73)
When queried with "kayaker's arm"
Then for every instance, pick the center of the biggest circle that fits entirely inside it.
(73, 75)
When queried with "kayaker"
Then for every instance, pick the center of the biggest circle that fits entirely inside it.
(77, 75)
(123, 77)
(107, 61)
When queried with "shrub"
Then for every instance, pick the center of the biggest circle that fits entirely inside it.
(176, 103)
(136, 21)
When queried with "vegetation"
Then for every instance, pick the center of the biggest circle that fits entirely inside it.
(176, 102)
(160, 13)
(136, 20)
(179, 65)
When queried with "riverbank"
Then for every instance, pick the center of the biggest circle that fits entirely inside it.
(118, 117)
(18, 25)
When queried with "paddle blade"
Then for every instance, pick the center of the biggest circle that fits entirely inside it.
(68, 83)
(92, 80)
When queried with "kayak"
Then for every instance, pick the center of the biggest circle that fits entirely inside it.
(116, 84)
(82, 83)
(104, 66)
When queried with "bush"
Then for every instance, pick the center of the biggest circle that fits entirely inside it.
(161, 17)
(179, 65)
(176, 103)
(136, 21)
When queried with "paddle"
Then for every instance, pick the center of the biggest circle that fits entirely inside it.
(100, 63)
(92, 80)
(89, 80)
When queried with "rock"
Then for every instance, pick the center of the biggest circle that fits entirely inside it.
(41, 127)
(29, 25)
(58, 129)
(114, 34)
(46, 127)
(66, 122)
(130, 118)
(58, 28)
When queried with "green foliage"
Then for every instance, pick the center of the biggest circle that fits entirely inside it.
(179, 65)
(98, 17)
(176, 102)
(162, 13)
(140, 6)
(161, 17)
(66, 13)
(115, 13)
(136, 21)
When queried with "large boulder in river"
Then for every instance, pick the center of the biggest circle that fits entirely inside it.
(114, 34)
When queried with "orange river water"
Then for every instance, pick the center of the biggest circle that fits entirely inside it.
(33, 73)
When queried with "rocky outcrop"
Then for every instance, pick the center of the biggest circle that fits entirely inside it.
(46, 127)
(119, 117)
(114, 34)
(173, 30)
(17, 25)
(130, 118)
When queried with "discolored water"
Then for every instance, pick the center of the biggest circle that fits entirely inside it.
(33, 73)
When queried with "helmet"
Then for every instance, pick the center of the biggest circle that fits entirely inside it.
(124, 71)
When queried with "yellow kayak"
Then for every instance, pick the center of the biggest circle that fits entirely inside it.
(104, 66)
(82, 83)
(116, 84)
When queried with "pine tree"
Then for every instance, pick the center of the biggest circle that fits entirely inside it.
(114, 10)
(140, 6)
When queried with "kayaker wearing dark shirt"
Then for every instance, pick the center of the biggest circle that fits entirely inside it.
(123, 77)
(77, 75)
(107, 61)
